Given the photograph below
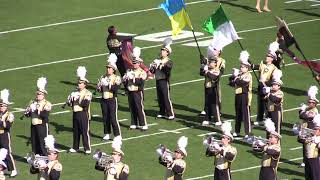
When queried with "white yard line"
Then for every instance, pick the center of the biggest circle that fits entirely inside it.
(287, 2)
(92, 18)
(147, 47)
(169, 131)
(243, 169)
(209, 133)
(296, 148)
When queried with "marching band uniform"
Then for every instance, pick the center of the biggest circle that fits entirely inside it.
(80, 102)
(312, 147)
(3, 166)
(108, 85)
(39, 109)
(266, 69)
(134, 83)
(162, 69)
(6, 121)
(212, 75)
(242, 83)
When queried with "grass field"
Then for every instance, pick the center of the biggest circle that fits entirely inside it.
(51, 38)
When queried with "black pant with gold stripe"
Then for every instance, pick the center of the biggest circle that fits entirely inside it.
(267, 173)
(312, 169)
(212, 104)
(81, 128)
(109, 109)
(5, 142)
(261, 103)
(137, 108)
(163, 94)
(38, 133)
(276, 117)
(223, 174)
(242, 113)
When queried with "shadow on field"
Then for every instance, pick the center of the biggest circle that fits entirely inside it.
(19, 158)
(185, 108)
(290, 172)
(248, 8)
(293, 91)
(305, 11)
(28, 140)
(295, 163)
(90, 86)
(60, 127)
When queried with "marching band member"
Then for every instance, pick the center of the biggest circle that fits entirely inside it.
(3, 166)
(211, 73)
(308, 112)
(108, 85)
(162, 69)
(242, 82)
(134, 83)
(176, 166)
(39, 109)
(221, 64)
(274, 100)
(80, 102)
(6, 121)
(266, 69)
(224, 154)
(312, 146)
(116, 170)
(271, 152)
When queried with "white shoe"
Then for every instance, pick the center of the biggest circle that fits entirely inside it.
(205, 123)
(133, 127)
(219, 123)
(71, 150)
(106, 137)
(13, 173)
(171, 117)
(159, 116)
(144, 128)
(302, 165)
(88, 152)
(235, 134)
(246, 137)
(203, 113)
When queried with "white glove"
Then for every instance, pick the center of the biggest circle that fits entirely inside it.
(303, 107)
(260, 143)
(112, 170)
(75, 95)
(217, 146)
(266, 90)
(42, 164)
(157, 62)
(130, 75)
(235, 72)
(169, 159)
(206, 68)
(316, 139)
(104, 82)
(33, 107)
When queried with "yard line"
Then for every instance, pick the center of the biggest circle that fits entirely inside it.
(210, 133)
(147, 47)
(244, 169)
(287, 2)
(169, 131)
(296, 148)
(93, 18)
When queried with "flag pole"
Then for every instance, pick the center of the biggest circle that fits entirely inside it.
(195, 38)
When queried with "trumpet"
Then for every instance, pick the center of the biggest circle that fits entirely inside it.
(305, 133)
(103, 159)
(37, 161)
(258, 143)
(165, 154)
(296, 128)
(212, 144)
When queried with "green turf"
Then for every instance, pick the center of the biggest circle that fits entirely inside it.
(68, 41)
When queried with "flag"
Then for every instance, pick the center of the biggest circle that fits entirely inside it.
(176, 11)
(283, 29)
(221, 28)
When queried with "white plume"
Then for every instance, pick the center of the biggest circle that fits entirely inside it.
(4, 94)
(273, 47)
(277, 74)
(316, 120)
(226, 127)
(49, 142)
(136, 52)
(81, 72)
(117, 142)
(269, 124)
(312, 92)
(244, 57)
(41, 83)
(112, 58)
(167, 41)
(3, 153)
(182, 142)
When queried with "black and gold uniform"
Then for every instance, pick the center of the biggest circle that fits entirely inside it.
(51, 172)
(134, 83)
(108, 85)
(39, 111)
(212, 75)
(80, 103)
(269, 163)
(6, 121)
(175, 169)
(243, 90)
(274, 107)
(266, 70)
(221, 64)
(116, 171)
(162, 74)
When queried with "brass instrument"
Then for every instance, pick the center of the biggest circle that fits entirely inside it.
(166, 155)
(306, 133)
(103, 159)
(37, 161)
(296, 128)
(214, 145)
(258, 143)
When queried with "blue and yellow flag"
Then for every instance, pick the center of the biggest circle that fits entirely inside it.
(178, 16)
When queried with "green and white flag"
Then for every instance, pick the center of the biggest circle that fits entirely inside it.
(221, 28)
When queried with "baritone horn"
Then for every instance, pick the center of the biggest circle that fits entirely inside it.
(258, 143)
(211, 143)
(165, 154)
(103, 159)
(37, 161)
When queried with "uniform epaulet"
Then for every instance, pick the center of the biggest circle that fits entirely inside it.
(125, 169)
(10, 117)
(57, 166)
(48, 105)
(180, 163)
